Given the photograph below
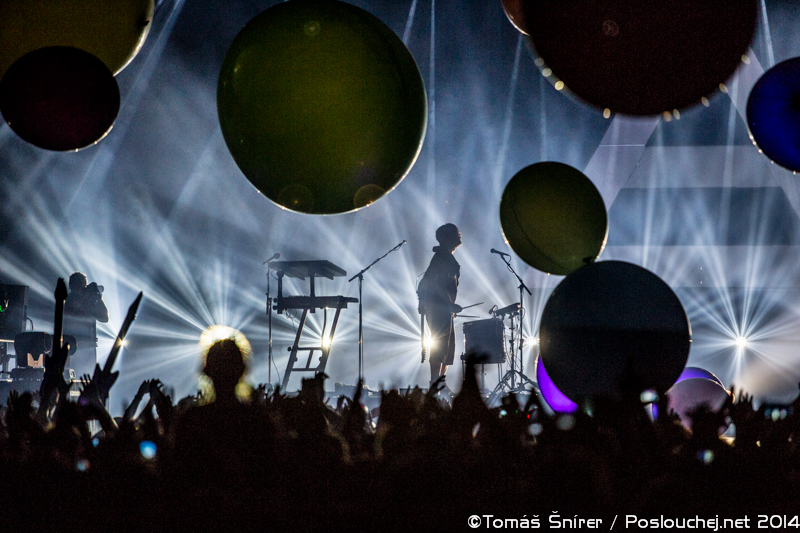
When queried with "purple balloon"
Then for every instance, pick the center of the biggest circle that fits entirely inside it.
(695, 372)
(688, 394)
(556, 399)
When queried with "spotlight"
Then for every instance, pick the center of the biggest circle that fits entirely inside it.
(217, 332)
(740, 342)
(428, 342)
(326, 341)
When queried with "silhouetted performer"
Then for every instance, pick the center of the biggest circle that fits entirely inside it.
(83, 308)
(437, 299)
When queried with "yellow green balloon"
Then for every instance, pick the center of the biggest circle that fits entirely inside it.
(321, 105)
(112, 30)
(553, 217)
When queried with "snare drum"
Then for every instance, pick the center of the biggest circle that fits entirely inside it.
(485, 338)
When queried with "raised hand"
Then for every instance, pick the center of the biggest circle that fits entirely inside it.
(104, 380)
(144, 388)
(436, 387)
(749, 422)
(160, 399)
(89, 393)
(93, 406)
(260, 393)
(742, 410)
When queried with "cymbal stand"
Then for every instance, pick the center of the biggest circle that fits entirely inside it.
(360, 277)
(269, 314)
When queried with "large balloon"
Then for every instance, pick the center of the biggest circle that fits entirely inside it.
(690, 372)
(321, 105)
(773, 114)
(613, 328)
(553, 217)
(113, 30)
(640, 58)
(689, 394)
(59, 98)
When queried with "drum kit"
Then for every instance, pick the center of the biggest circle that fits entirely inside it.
(483, 339)
(486, 341)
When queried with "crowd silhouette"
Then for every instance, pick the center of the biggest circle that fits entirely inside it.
(294, 462)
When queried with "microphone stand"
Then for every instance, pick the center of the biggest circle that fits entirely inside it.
(268, 262)
(521, 307)
(512, 373)
(360, 277)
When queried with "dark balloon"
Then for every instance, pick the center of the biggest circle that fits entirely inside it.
(641, 58)
(553, 217)
(321, 105)
(613, 328)
(516, 14)
(773, 114)
(59, 98)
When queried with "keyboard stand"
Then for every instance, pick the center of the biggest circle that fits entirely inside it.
(295, 348)
(302, 270)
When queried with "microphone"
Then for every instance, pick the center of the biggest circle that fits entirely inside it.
(499, 253)
(271, 259)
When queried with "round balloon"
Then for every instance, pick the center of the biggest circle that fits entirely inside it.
(640, 58)
(553, 217)
(59, 98)
(690, 372)
(612, 328)
(689, 394)
(773, 114)
(554, 398)
(321, 105)
(112, 30)
(515, 13)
